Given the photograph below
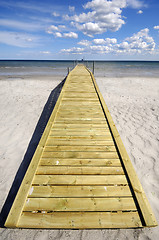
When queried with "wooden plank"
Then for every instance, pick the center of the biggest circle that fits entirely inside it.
(80, 148)
(77, 126)
(89, 137)
(80, 121)
(80, 155)
(145, 207)
(80, 95)
(80, 220)
(80, 162)
(65, 111)
(79, 133)
(80, 204)
(73, 108)
(73, 129)
(79, 103)
(77, 142)
(79, 180)
(74, 170)
(55, 142)
(80, 115)
(83, 90)
(79, 191)
(78, 99)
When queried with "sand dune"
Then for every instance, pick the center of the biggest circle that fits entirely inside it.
(134, 106)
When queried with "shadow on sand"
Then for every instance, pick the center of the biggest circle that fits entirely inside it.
(48, 108)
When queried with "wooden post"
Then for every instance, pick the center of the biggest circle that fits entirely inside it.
(68, 70)
(93, 67)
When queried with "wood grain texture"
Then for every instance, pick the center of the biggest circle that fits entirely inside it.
(80, 220)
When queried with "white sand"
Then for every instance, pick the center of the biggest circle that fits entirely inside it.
(134, 105)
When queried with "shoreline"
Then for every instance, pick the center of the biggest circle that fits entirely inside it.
(134, 105)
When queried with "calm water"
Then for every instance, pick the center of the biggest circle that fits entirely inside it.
(102, 68)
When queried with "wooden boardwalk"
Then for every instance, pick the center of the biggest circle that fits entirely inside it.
(80, 175)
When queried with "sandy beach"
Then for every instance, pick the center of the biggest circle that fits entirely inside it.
(134, 106)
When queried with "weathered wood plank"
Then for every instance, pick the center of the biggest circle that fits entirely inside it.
(54, 142)
(80, 204)
(80, 220)
(80, 148)
(89, 137)
(80, 162)
(79, 180)
(84, 125)
(80, 155)
(74, 170)
(80, 121)
(64, 132)
(79, 191)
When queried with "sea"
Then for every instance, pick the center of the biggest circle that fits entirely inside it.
(21, 68)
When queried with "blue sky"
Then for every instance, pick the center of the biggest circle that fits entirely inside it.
(69, 29)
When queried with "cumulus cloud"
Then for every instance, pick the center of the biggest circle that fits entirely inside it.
(105, 41)
(156, 27)
(102, 16)
(99, 41)
(58, 34)
(139, 42)
(51, 29)
(74, 50)
(66, 35)
(140, 12)
(70, 35)
(84, 43)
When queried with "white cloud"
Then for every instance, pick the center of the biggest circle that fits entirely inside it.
(45, 52)
(111, 40)
(66, 35)
(135, 4)
(58, 34)
(55, 14)
(51, 29)
(139, 43)
(84, 43)
(74, 50)
(100, 49)
(71, 8)
(103, 16)
(123, 45)
(140, 12)
(70, 35)
(156, 27)
(105, 41)
(18, 39)
(99, 41)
